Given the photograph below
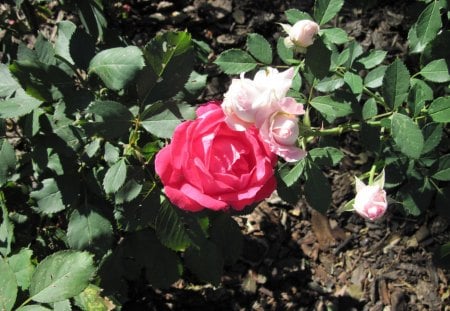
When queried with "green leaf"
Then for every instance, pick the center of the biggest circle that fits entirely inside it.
(317, 188)
(318, 59)
(395, 84)
(354, 51)
(49, 198)
(370, 109)
(128, 192)
(432, 134)
(415, 196)
(162, 124)
(290, 174)
(66, 29)
(235, 61)
(92, 18)
(89, 230)
(112, 119)
(335, 35)
(354, 81)
(117, 67)
(61, 275)
(170, 228)
(419, 93)
(34, 308)
(91, 300)
(44, 51)
(295, 15)
(8, 161)
(326, 156)
(436, 71)
(259, 48)
(325, 10)
(429, 23)
(115, 177)
(329, 84)
(8, 286)
(285, 54)
(407, 135)
(437, 49)
(331, 108)
(18, 106)
(374, 78)
(8, 85)
(22, 267)
(63, 305)
(227, 235)
(372, 59)
(439, 110)
(442, 170)
(112, 153)
(441, 256)
(205, 262)
(6, 228)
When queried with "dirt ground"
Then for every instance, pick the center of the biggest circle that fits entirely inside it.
(295, 258)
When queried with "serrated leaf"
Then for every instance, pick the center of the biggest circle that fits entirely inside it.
(331, 108)
(66, 29)
(128, 192)
(374, 78)
(335, 35)
(49, 198)
(8, 286)
(326, 156)
(329, 84)
(112, 119)
(286, 54)
(432, 134)
(372, 59)
(61, 275)
(89, 230)
(436, 71)
(115, 177)
(22, 267)
(112, 153)
(8, 160)
(318, 59)
(395, 84)
(6, 228)
(428, 23)
(226, 234)
(407, 135)
(317, 189)
(370, 109)
(91, 300)
(8, 85)
(439, 110)
(295, 15)
(63, 305)
(419, 94)
(290, 174)
(162, 124)
(259, 48)
(34, 308)
(205, 262)
(170, 228)
(325, 10)
(354, 81)
(235, 61)
(19, 105)
(92, 18)
(117, 67)
(442, 170)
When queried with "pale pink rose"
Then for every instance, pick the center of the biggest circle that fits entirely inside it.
(246, 98)
(301, 34)
(370, 200)
(280, 130)
(209, 165)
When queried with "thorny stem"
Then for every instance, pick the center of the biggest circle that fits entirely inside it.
(372, 173)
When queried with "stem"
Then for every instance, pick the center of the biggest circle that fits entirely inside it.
(372, 173)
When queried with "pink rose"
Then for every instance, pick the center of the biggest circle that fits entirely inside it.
(245, 98)
(370, 200)
(301, 34)
(280, 131)
(209, 165)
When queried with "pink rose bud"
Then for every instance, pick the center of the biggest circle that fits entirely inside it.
(301, 34)
(370, 200)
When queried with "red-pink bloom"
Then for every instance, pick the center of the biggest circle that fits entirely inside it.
(370, 200)
(209, 165)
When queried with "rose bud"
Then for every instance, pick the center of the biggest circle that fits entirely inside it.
(301, 34)
(370, 200)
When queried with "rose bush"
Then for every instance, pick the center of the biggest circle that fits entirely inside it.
(209, 165)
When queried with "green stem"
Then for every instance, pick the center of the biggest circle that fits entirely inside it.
(372, 173)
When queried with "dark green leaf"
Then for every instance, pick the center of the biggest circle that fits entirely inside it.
(432, 134)
(49, 198)
(44, 51)
(285, 54)
(62, 45)
(111, 119)
(294, 15)
(8, 161)
(442, 170)
(206, 262)
(8, 286)
(354, 81)
(89, 230)
(170, 228)
(117, 67)
(290, 174)
(112, 153)
(317, 189)
(327, 156)
(370, 109)
(335, 35)
(441, 256)
(439, 110)
(331, 108)
(161, 125)
(329, 84)
(419, 93)
(436, 71)
(115, 177)
(396, 84)
(372, 59)
(6, 228)
(92, 18)
(61, 275)
(429, 23)
(128, 192)
(22, 267)
(8, 85)
(374, 78)
(18, 106)
(318, 59)
(407, 135)
(226, 234)
(325, 10)
(259, 48)
(235, 61)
